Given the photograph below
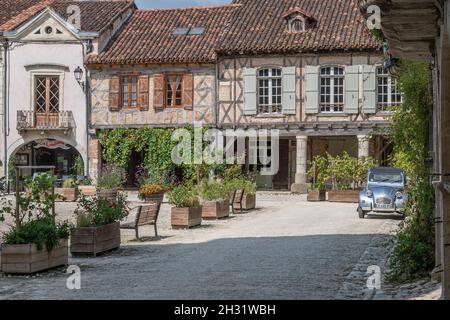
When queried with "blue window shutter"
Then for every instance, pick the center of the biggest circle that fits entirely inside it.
(351, 89)
(289, 92)
(312, 89)
(249, 91)
(370, 89)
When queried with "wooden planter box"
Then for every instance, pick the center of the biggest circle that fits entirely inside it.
(26, 258)
(87, 190)
(184, 218)
(159, 197)
(110, 194)
(95, 240)
(347, 196)
(69, 194)
(317, 196)
(248, 202)
(213, 210)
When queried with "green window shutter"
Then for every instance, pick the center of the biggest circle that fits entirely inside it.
(289, 85)
(249, 91)
(312, 89)
(351, 89)
(370, 89)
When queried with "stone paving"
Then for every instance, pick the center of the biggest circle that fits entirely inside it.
(286, 249)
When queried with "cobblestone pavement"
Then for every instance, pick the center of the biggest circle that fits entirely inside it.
(286, 249)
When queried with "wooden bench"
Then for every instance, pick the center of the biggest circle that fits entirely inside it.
(237, 199)
(146, 215)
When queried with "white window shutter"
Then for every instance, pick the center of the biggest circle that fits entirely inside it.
(249, 91)
(289, 92)
(370, 89)
(351, 89)
(312, 89)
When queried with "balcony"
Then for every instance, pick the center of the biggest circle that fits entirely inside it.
(31, 120)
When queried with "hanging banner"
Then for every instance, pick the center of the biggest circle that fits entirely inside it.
(51, 144)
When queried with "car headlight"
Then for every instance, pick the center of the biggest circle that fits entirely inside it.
(399, 194)
(369, 193)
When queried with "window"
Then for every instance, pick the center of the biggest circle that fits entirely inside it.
(297, 24)
(195, 31)
(332, 89)
(46, 94)
(388, 93)
(129, 91)
(269, 91)
(174, 91)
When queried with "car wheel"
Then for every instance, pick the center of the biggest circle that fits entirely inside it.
(361, 213)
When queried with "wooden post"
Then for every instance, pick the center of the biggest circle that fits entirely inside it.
(17, 213)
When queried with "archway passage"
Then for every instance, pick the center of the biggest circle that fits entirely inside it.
(50, 152)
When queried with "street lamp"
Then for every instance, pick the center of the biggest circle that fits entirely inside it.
(78, 73)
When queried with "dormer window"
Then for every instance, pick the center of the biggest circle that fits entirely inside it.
(297, 24)
(299, 20)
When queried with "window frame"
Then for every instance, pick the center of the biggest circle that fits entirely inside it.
(174, 92)
(48, 107)
(270, 88)
(129, 91)
(292, 21)
(332, 105)
(391, 83)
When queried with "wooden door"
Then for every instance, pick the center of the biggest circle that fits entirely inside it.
(46, 101)
(281, 179)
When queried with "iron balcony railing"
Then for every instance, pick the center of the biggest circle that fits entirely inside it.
(32, 120)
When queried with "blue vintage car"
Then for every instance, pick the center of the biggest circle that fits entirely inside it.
(384, 192)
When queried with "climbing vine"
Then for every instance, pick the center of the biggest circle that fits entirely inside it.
(413, 252)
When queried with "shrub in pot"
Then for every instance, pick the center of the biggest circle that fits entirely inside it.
(186, 211)
(69, 190)
(36, 242)
(98, 225)
(216, 202)
(152, 190)
(86, 188)
(109, 181)
(318, 173)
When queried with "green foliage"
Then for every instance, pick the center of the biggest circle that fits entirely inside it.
(78, 166)
(95, 212)
(344, 172)
(41, 232)
(214, 191)
(12, 171)
(413, 251)
(241, 183)
(69, 183)
(183, 197)
(34, 221)
(111, 177)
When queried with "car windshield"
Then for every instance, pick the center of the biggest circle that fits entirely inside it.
(385, 177)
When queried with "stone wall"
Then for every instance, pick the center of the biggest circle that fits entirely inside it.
(1, 115)
(204, 100)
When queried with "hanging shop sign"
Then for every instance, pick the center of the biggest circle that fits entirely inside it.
(51, 144)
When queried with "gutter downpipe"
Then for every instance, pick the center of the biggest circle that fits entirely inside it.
(5, 107)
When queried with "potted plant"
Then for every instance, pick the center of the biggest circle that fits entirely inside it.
(186, 210)
(318, 173)
(69, 190)
(152, 190)
(109, 181)
(248, 198)
(98, 225)
(86, 188)
(216, 201)
(35, 242)
(344, 172)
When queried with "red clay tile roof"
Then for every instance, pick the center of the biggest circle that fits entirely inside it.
(259, 27)
(148, 36)
(11, 9)
(95, 15)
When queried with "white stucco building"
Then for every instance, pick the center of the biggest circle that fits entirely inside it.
(46, 95)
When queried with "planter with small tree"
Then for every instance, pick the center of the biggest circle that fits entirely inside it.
(318, 172)
(69, 191)
(98, 225)
(216, 202)
(109, 181)
(186, 211)
(35, 242)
